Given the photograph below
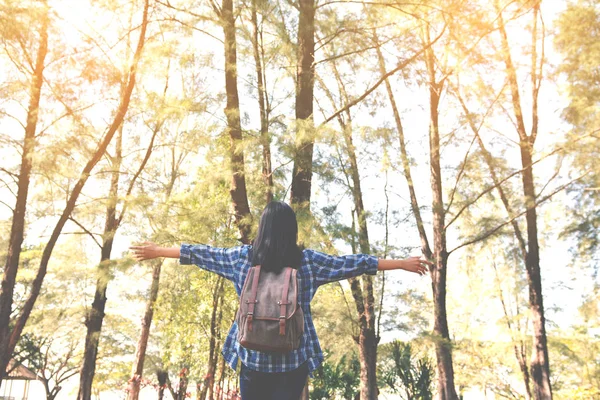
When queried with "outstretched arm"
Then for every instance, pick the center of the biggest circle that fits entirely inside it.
(149, 250)
(417, 265)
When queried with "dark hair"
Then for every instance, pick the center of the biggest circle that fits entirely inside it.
(275, 245)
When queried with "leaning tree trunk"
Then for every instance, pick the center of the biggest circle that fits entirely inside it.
(238, 192)
(540, 364)
(140, 352)
(36, 285)
(95, 315)
(209, 378)
(367, 339)
(17, 230)
(362, 288)
(305, 78)
(441, 332)
(520, 347)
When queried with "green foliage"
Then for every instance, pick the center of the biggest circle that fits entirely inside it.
(577, 40)
(405, 373)
(336, 380)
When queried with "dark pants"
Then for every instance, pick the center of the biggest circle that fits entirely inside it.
(256, 385)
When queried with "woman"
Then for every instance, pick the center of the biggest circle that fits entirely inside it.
(266, 375)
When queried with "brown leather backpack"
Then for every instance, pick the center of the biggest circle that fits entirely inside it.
(269, 317)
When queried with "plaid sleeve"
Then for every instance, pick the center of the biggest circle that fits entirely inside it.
(328, 268)
(222, 261)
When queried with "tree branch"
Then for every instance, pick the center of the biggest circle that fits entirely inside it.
(489, 233)
(85, 230)
(382, 79)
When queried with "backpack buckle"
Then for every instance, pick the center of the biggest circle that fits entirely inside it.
(282, 325)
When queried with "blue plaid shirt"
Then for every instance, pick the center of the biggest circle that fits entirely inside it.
(316, 269)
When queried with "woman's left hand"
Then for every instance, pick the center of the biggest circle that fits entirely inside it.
(417, 265)
(148, 251)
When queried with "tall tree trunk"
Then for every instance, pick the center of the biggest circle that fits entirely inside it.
(213, 352)
(182, 384)
(8, 348)
(520, 347)
(305, 82)
(222, 373)
(263, 105)
(362, 288)
(140, 352)
(17, 231)
(161, 377)
(95, 316)
(238, 192)
(443, 346)
(367, 338)
(305, 78)
(540, 364)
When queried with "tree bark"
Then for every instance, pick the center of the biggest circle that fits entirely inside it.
(441, 332)
(362, 288)
(238, 192)
(540, 364)
(263, 105)
(367, 339)
(182, 385)
(519, 348)
(17, 231)
(305, 78)
(161, 377)
(209, 378)
(95, 316)
(140, 352)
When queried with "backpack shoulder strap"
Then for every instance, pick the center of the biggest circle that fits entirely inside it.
(253, 291)
(284, 300)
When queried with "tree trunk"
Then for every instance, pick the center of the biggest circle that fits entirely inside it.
(222, 373)
(305, 78)
(239, 196)
(441, 332)
(540, 364)
(305, 81)
(519, 348)
(182, 385)
(540, 368)
(140, 353)
(95, 316)
(209, 378)
(18, 221)
(8, 348)
(363, 295)
(161, 377)
(262, 105)
(367, 339)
